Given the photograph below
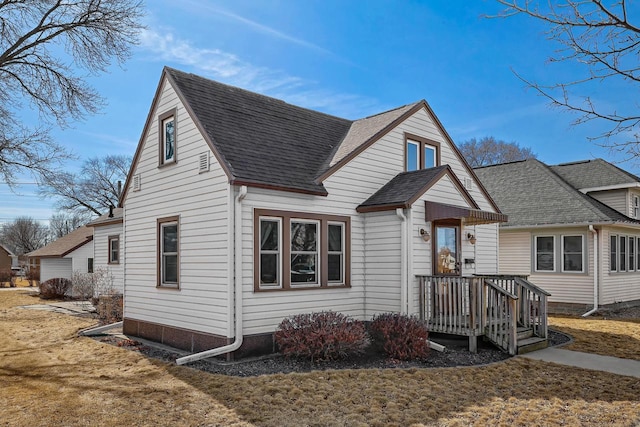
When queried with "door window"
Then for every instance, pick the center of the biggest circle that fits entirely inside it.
(447, 256)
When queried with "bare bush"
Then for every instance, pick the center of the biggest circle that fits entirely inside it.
(92, 285)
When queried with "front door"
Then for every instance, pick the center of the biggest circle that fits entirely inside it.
(447, 248)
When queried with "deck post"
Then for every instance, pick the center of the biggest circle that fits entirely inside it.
(473, 344)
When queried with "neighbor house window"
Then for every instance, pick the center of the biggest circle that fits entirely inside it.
(168, 255)
(636, 207)
(632, 253)
(298, 250)
(572, 253)
(545, 254)
(167, 140)
(89, 265)
(421, 153)
(622, 251)
(613, 253)
(114, 249)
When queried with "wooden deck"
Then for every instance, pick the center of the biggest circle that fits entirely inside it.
(509, 311)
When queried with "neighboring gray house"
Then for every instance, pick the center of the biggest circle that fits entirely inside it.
(573, 229)
(241, 209)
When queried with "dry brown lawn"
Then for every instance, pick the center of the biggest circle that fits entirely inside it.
(608, 337)
(48, 376)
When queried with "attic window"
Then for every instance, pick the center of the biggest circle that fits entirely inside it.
(167, 140)
(420, 153)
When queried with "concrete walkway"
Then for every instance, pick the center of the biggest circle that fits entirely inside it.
(73, 308)
(614, 365)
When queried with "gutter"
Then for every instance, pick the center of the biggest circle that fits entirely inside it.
(403, 261)
(237, 282)
(596, 272)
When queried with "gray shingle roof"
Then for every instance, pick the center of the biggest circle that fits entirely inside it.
(531, 193)
(594, 173)
(108, 218)
(404, 187)
(263, 140)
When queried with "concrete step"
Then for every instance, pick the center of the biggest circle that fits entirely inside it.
(528, 345)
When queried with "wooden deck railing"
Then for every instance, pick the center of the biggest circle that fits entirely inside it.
(493, 306)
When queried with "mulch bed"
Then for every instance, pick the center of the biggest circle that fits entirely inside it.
(455, 355)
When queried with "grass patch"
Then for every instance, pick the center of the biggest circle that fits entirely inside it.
(48, 376)
(607, 337)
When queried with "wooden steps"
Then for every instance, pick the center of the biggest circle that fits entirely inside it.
(527, 342)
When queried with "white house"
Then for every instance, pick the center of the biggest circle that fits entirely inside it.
(573, 228)
(107, 237)
(60, 258)
(240, 210)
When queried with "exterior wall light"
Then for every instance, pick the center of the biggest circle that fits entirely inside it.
(425, 235)
(471, 238)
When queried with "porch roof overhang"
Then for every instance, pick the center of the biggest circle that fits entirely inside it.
(435, 211)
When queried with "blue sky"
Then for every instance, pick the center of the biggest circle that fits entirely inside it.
(350, 59)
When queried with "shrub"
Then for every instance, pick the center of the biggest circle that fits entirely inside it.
(325, 335)
(54, 288)
(32, 274)
(7, 276)
(92, 285)
(109, 309)
(402, 337)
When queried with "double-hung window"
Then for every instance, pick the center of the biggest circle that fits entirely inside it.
(636, 207)
(573, 254)
(545, 253)
(167, 140)
(300, 250)
(420, 153)
(114, 249)
(168, 252)
(622, 250)
(613, 253)
(632, 253)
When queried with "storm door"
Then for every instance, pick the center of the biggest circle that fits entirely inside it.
(447, 248)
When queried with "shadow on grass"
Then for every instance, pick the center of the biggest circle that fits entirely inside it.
(518, 391)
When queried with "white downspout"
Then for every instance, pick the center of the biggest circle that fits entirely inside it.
(237, 282)
(403, 261)
(596, 273)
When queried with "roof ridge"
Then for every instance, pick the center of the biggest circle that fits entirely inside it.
(388, 111)
(252, 93)
(505, 163)
(593, 204)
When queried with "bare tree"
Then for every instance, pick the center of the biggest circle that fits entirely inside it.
(490, 151)
(46, 48)
(93, 190)
(601, 37)
(61, 224)
(24, 235)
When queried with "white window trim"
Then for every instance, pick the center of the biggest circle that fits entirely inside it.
(317, 253)
(424, 153)
(617, 253)
(535, 254)
(418, 154)
(111, 240)
(342, 253)
(629, 257)
(562, 252)
(620, 256)
(279, 252)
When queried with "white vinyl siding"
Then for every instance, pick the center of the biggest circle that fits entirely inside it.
(80, 256)
(618, 286)
(204, 205)
(51, 268)
(101, 236)
(616, 199)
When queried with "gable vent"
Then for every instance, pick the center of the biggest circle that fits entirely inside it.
(203, 163)
(136, 182)
(468, 183)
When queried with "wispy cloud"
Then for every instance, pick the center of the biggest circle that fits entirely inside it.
(232, 69)
(485, 126)
(202, 6)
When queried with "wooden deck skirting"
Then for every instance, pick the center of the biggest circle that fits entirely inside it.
(490, 306)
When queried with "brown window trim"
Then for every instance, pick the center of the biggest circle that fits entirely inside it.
(286, 217)
(159, 283)
(422, 142)
(162, 117)
(109, 240)
(434, 250)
